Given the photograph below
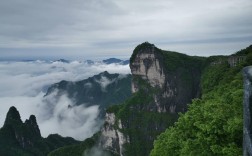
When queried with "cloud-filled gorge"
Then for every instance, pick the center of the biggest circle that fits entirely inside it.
(24, 84)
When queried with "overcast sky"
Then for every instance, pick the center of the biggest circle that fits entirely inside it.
(104, 28)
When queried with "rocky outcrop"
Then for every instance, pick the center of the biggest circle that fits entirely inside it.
(148, 66)
(177, 87)
(235, 60)
(25, 133)
(247, 111)
(18, 138)
(12, 117)
(111, 137)
(163, 84)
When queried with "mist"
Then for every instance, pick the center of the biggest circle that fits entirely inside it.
(24, 84)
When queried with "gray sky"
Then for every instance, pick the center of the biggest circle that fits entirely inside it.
(105, 28)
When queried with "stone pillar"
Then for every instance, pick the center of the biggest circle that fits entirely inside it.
(247, 112)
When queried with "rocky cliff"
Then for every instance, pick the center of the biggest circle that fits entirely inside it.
(163, 83)
(247, 111)
(112, 138)
(148, 64)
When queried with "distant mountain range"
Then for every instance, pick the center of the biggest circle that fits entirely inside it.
(104, 89)
(116, 61)
(89, 62)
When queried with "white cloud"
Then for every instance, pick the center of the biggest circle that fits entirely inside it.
(23, 84)
(66, 119)
(116, 27)
(104, 82)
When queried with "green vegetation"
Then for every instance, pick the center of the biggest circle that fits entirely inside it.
(141, 48)
(174, 60)
(140, 124)
(24, 139)
(74, 150)
(213, 124)
(90, 91)
(85, 148)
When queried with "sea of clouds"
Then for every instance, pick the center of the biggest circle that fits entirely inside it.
(24, 84)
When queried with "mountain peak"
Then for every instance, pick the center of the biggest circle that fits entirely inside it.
(104, 73)
(115, 61)
(144, 47)
(32, 119)
(112, 60)
(62, 60)
(33, 126)
(13, 116)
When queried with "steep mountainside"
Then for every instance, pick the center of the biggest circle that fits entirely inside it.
(163, 84)
(18, 138)
(213, 124)
(103, 89)
(247, 111)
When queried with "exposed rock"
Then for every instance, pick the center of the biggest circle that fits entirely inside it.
(147, 65)
(247, 111)
(177, 87)
(170, 81)
(111, 137)
(235, 60)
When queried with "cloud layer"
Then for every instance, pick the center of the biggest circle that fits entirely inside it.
(23, 84)
(110, 27)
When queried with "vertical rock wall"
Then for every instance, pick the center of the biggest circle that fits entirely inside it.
(111, 138)
(168, 93)
(247, 112)
(147, 66)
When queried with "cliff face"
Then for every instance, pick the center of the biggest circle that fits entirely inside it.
(176, 75)
(149, 66)
(163, 83)
(112, 138)
(247, 110)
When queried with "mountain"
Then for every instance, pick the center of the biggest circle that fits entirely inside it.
(18, 138)
(62, 61)
(181, 105)
(104, 89)
(89, 62)
(116, 61)
(163, 84)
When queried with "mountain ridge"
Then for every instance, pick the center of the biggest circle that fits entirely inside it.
(103, 89)
(24, 138)
(163, 85)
